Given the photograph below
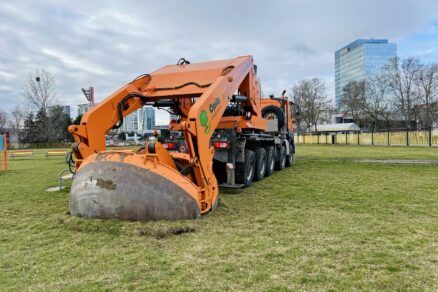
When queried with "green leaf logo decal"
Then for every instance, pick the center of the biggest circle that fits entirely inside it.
(204, 121)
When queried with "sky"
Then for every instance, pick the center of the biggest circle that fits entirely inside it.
(106, 44)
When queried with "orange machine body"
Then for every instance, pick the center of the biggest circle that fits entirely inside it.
(290, 110)
(199, 94)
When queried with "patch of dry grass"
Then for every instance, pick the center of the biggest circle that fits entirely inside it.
(327, 223)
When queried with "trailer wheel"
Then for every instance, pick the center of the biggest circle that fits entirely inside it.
(260, 163)
(290, 157)
(281, 163)
(274, 113)
(270, 160)
(245, 170)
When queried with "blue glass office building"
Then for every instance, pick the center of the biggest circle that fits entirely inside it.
(359, 60)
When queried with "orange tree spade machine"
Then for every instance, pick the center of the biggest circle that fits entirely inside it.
(224, 127)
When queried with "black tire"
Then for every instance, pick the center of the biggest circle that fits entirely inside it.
(281, 162)
(270, 160)
(274, 112)
(260, 164)
(290, 156)
(245, 170)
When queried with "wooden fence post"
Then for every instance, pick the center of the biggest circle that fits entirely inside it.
(388, 137)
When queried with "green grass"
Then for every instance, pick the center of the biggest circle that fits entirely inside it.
(327, 223)
(314, 151)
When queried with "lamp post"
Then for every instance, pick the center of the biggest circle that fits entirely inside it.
(38, 79)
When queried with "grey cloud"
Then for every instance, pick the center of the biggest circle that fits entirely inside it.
(107, 43)
(302, 50)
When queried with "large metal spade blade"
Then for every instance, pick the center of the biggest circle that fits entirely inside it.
(120, 190)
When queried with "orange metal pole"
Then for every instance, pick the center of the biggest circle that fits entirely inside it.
(5, 152)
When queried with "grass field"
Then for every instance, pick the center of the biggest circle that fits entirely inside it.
(327, 223)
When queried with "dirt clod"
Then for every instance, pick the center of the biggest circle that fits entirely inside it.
(106, 184)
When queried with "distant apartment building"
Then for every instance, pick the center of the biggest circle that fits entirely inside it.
(66, 109)
(140, 121)
(131, 122)
(360, 60)
(83, 108)
(148, 118)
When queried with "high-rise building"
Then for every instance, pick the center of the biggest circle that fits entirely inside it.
(140, 121)
(360, 60)
(66, 109)
(83, 108)
(131, 123)
(149, 118)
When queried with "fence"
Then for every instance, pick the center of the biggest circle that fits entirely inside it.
(401, 138)
(14, 146)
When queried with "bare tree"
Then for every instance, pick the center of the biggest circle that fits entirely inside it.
(377, 104)
(327, 114)
(39, 90)
(39, 93)
(16, 120)
(310, 95)
(3, 121)
(401, 75)
(353, 99)
(427, 86)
